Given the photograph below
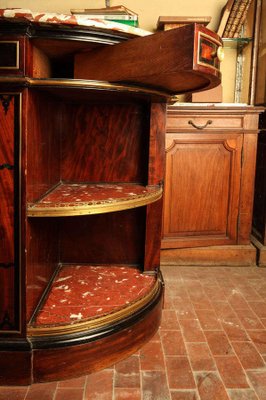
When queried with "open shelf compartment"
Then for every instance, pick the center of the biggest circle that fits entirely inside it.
(68, 199)
(84, 297)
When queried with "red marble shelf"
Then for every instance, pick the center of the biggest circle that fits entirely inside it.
(84, 199)
(90, 295)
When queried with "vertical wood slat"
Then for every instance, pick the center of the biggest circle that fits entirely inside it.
(247, 188)
(155, 177)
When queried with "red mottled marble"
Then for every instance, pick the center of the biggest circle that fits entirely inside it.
(37, 17)
(71, 195)
(82, 292)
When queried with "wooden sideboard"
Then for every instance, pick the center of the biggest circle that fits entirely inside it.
(209, 184)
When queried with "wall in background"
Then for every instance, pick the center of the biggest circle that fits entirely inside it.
(148, 10)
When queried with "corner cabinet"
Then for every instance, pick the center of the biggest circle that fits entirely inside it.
(82, 113)
(209, 184)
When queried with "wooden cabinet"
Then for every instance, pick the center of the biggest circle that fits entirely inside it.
(81, 173)
(208, 200)
(259, 213)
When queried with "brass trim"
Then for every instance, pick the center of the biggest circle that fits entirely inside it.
(99, 322)
(64, 210)
(16, 67)
(83, 83)
(219, 44)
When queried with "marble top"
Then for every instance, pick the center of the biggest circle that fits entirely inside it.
(20, 14)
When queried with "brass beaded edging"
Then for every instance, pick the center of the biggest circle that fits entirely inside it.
(114, 317)
(59, 210)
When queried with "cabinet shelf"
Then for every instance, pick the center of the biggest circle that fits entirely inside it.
(61, 85)
(84, 199)
(84, 297)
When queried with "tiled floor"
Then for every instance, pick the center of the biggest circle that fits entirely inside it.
(211, 345)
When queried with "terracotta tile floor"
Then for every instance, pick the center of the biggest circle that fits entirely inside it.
(211, 345)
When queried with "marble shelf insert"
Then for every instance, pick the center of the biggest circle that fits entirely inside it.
(87, 293)
(84, 199)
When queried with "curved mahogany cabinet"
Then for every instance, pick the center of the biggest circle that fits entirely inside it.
(82, 122)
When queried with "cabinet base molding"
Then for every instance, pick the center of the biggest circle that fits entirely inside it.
(15, 367)
(234, 255)
(261, 252)
(66, 356)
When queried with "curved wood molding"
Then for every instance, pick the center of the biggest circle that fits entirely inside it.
(85, 84)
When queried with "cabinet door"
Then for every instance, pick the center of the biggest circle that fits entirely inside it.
(202, 189)
(9, 212)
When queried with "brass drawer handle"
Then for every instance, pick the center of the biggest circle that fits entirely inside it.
(209, 122)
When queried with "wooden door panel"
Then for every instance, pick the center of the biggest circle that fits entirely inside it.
(9, 208)
(201, 189)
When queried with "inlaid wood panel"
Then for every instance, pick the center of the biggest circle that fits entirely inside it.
(202, 189)
(9, 211)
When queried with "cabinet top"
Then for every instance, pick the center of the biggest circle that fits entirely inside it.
(68, 20)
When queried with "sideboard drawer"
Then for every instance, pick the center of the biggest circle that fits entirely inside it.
(208, 122)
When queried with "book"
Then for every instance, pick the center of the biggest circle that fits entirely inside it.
(165, 23)
(119, 14)
(242, 18)
(232, 17)
(225, 16)
(237, 16)
(115, 10)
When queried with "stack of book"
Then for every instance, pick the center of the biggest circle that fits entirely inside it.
(233, 17)
(117, 14)
(166, 23)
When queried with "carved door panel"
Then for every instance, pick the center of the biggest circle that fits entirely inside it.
(202, 189)
(9, 211)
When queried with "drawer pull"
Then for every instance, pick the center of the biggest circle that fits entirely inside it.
(209, 122)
